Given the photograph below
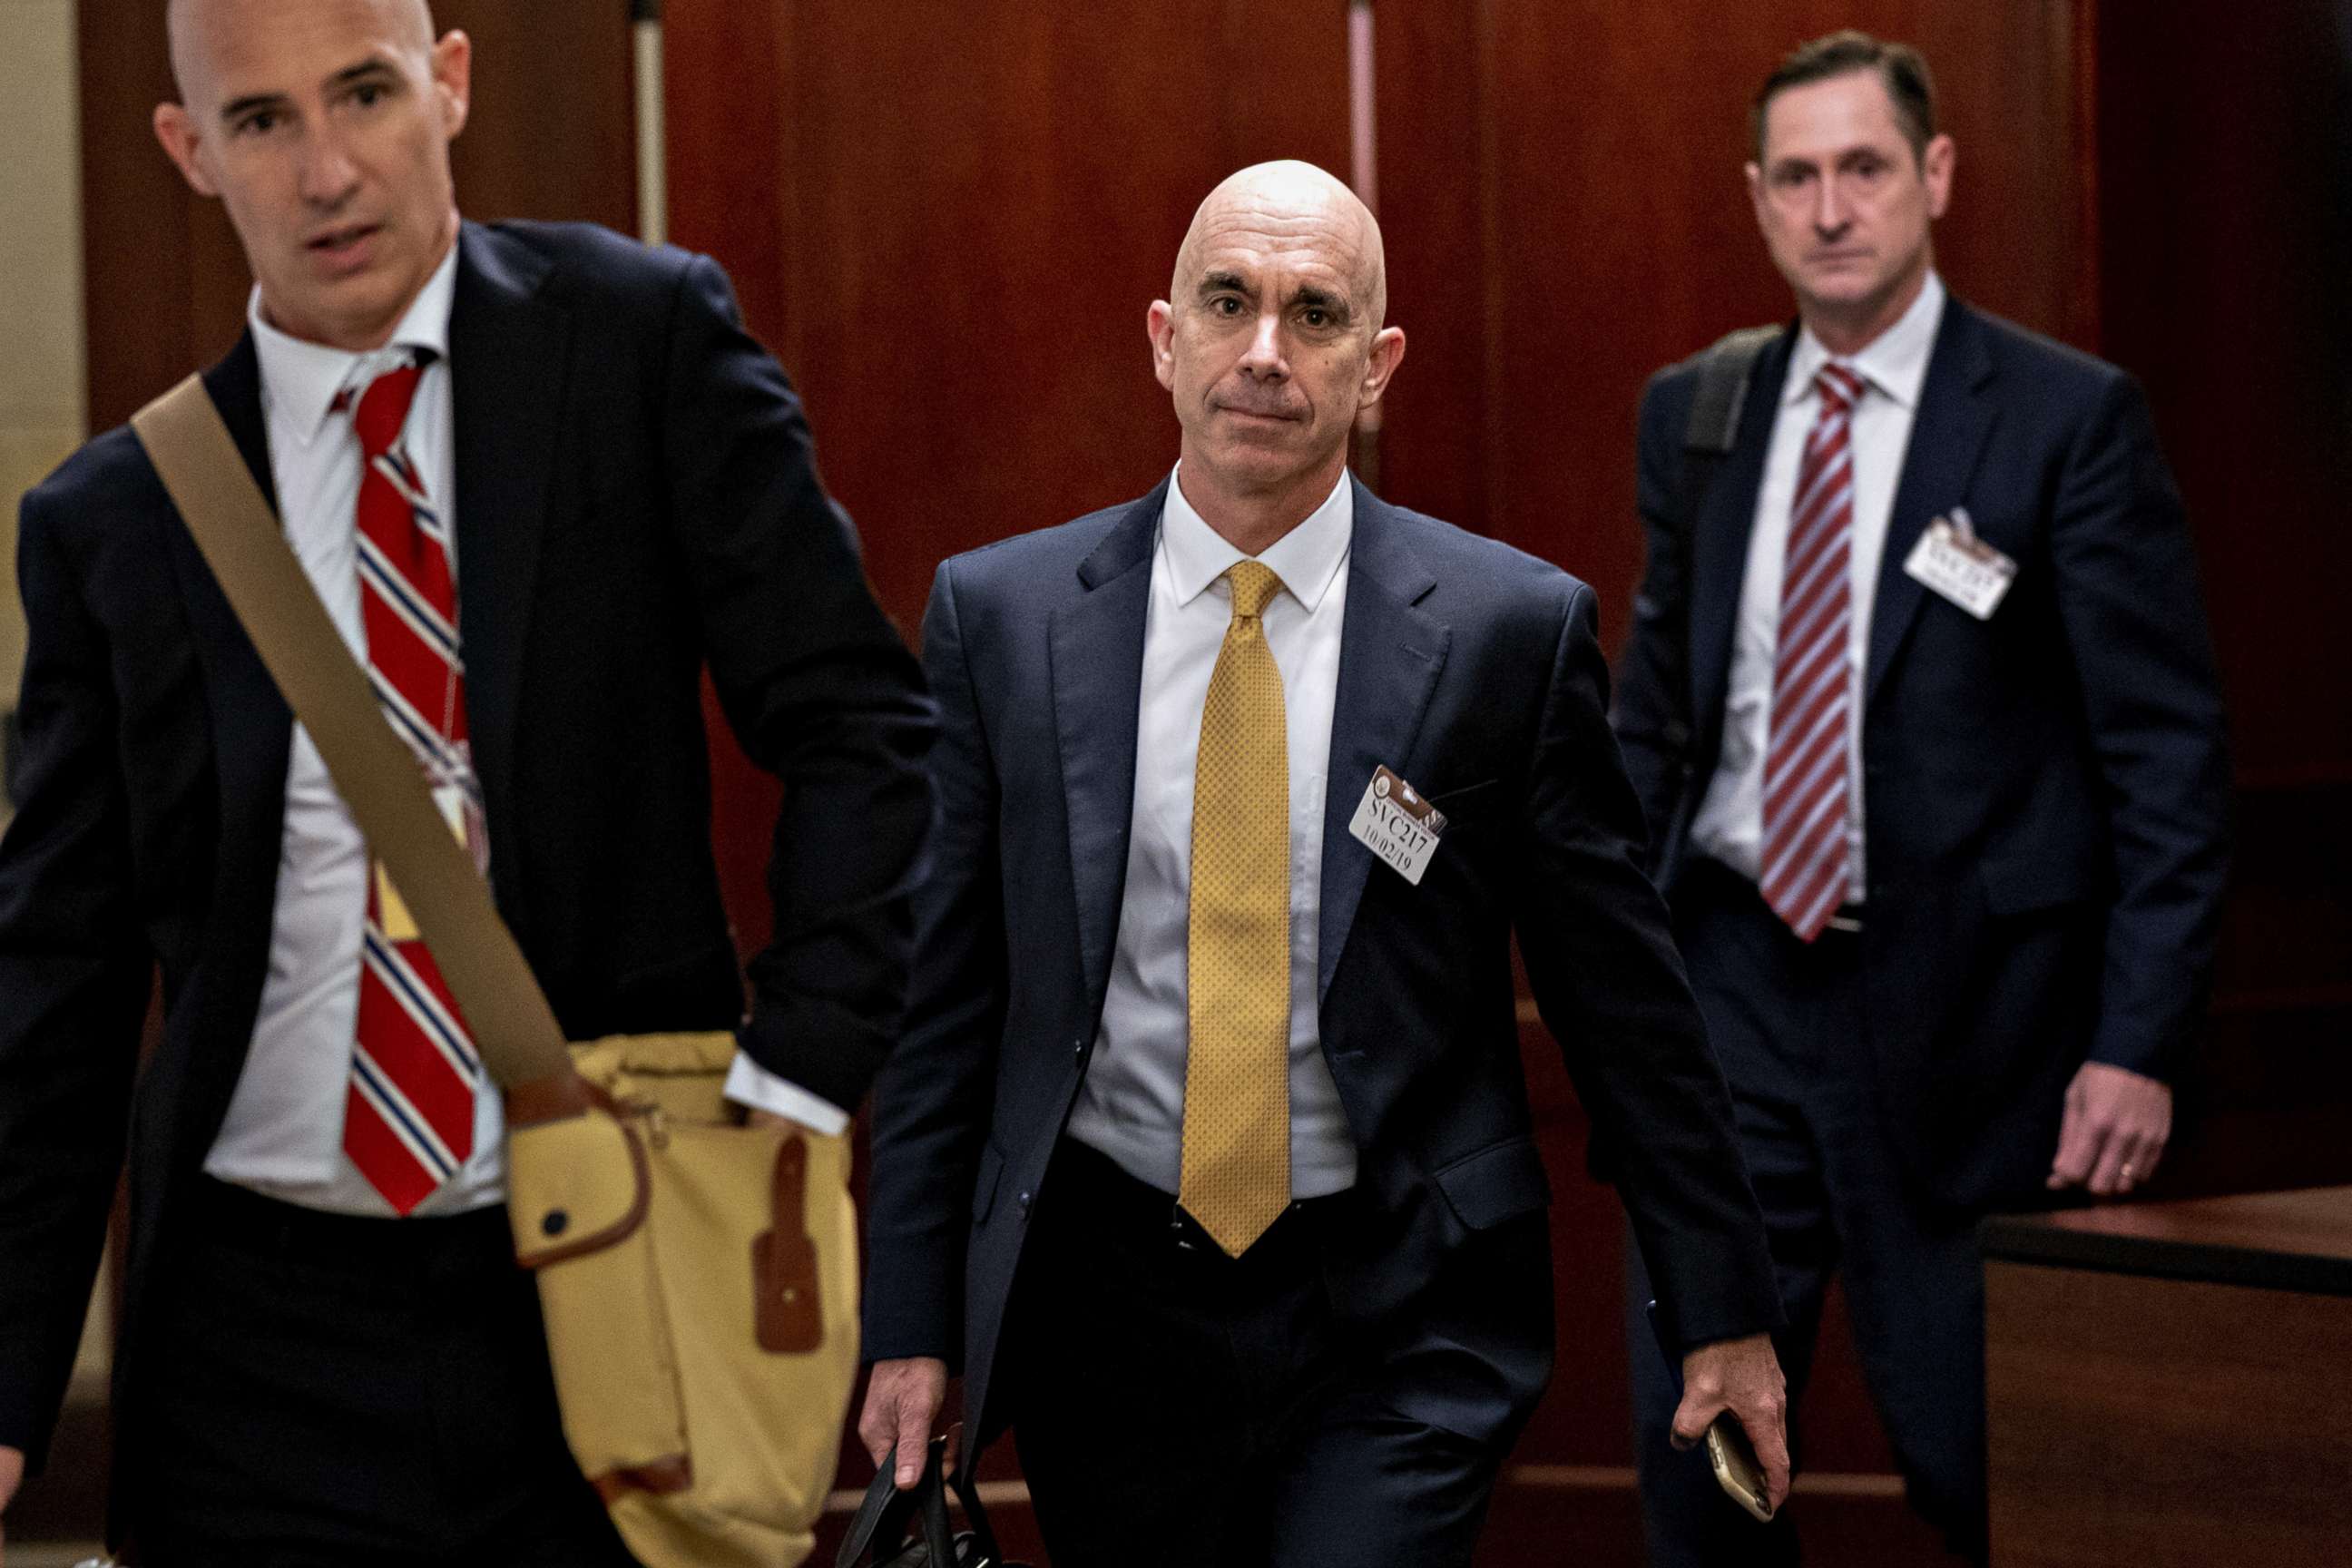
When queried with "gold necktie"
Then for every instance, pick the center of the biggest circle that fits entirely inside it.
(1236, 1177)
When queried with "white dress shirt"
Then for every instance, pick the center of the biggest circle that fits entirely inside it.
(1730, 826)
(283, 1133)
(1131, 1105)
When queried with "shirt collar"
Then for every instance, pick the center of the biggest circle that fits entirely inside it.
(1307, 558)
(299, 379)
(1894, 363)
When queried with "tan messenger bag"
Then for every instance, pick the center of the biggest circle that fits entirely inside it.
(697, 1276)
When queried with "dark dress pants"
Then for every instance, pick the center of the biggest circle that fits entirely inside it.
(1174, 1406)
(327, 1392)
(1787, 1022)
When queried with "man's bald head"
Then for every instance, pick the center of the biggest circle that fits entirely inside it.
(323, 126)
(193, 27)
(1292, 199)
(1272, 344)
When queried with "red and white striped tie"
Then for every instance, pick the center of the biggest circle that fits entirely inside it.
(408, 1115)
(1807, 793)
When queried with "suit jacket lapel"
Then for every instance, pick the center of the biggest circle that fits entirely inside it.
(1095, 651)
(1719, 543)
(507, 363)
(235, 385)
(1389, 656)
(251, 732)
(252, 727)
(1948, 437)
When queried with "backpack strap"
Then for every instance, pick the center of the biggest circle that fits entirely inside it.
(1712, 430)
(1714, 424)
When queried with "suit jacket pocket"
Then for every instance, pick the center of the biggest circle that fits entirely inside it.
(1497, 1183)
(1467, 806)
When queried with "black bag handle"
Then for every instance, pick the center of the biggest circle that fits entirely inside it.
(885, 1513)
(985, 1553)
(868, 1520)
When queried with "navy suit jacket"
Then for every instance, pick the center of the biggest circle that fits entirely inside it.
(1473, 671)
(637, 501)
(2046, 792)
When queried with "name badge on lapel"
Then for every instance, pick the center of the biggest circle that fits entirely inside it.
(1951, 560)
(1397, 824)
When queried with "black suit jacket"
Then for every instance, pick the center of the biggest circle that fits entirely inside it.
(637, 499)
(2045, 792)
(1471, 669)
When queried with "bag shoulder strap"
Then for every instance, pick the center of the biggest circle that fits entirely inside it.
(198, 462)
(1730, 360)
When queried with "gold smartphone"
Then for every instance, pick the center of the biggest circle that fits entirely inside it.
(1737, 1469)
(1732, 1457)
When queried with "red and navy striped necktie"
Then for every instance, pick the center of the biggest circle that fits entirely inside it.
(408, 1115)
(1808, 798)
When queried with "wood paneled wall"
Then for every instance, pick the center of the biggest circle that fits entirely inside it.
(947, 217)
(1565, 212)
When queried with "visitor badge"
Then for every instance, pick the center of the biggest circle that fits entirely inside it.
(1395, 823)
(1951, 560)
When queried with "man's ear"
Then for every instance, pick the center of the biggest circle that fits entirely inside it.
(1388, 353)
(1160, 322)
(175, 128)
(1935, 163)
(453, 79)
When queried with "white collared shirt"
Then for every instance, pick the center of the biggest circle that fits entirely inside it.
(1131, 1105)
(1730, 826)
(283, 1133)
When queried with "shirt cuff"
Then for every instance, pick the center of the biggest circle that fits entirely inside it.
(749, 1084)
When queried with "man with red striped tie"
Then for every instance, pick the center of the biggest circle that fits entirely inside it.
(1921, 706)
(541, 481)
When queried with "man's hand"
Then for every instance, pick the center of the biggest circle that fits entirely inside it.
(2115, 1125)
(903, 1399)
(1742, 1376)
(12, 1473)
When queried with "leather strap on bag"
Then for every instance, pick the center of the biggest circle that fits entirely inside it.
(512, 1024)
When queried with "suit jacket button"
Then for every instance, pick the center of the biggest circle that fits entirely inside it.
(1024, 1207)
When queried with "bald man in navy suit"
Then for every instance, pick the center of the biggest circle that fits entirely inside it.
(1059, 1156)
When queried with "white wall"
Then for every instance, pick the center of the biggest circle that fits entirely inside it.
(41, 366)
(42, 372)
